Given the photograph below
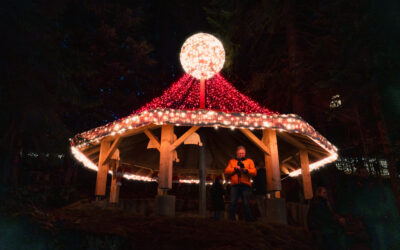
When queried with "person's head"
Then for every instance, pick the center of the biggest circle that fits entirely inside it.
(240, 152)
(321, 192)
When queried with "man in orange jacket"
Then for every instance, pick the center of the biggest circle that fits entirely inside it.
(240, 170)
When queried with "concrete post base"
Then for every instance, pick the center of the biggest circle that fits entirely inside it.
(165, 205)
(276, 210)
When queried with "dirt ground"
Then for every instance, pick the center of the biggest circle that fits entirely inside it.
(181, 232)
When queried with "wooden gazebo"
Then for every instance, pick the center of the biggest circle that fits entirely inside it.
(149, 140)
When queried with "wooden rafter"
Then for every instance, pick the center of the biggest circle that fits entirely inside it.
(291, 140)
(288, 166)
(317, 149)
(131, 132)
(183, 137)
(152, 138)
(287, 159)
(112, 149)
(286, 137)
(255, 140)
(128, 133)
(92, 151)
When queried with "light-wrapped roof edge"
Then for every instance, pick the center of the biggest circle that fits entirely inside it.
(204, 118)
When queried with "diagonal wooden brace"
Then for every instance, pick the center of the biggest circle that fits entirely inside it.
(111, 151)
(255, 140)
(183, 137)
(152, 138)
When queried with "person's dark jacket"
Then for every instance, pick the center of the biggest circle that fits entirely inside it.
(217, 196)
(260, 182)
(320, 215)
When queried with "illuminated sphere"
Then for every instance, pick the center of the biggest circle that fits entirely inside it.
(202, 56)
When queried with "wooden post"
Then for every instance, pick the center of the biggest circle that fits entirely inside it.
(111, 150)
(102, 171)
(165, 174)
(272, 161)
(202, 93)
(305, 173)
(114, 166)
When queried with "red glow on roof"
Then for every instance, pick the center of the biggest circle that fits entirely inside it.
(220, 96)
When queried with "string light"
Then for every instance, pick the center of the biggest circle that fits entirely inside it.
(220, 96)
(90, 165)
(202, 56)
(284, 123)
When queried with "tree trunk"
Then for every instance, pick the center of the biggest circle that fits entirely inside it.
(362, 139)
(297, 97)
(386, 149)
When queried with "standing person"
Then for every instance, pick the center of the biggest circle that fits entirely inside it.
(260, 189)
(241, 170)
(217, 197)
(325, 222)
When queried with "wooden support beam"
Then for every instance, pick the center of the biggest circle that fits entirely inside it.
(305, 173)
(287, 159)
(286, 137)
(114, 137)
(256, 141)
(114, 166)
(131, 132)
(290, 158)
(102, 170)
(91, 151)
(166, 158)
(317, 151)
(272, 167)
(111, 151)
(152, 138)
(291, 140)
(288, 166)
(183, 137)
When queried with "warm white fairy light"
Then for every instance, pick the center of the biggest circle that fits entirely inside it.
(83, 159)
(283, 123)
(192, 181)
(202, 56)
(317, 164)
(90, 165)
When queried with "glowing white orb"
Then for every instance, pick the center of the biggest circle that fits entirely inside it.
(202, 56)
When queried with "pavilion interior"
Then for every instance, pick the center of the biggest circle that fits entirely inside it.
(220, 146)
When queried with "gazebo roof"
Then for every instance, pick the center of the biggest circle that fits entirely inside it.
(220, 96)
(224, 107)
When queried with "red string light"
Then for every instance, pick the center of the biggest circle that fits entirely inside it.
(220, 96)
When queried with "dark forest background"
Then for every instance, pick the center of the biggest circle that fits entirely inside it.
(69, 66)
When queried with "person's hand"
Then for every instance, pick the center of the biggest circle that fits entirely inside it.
(244, 170)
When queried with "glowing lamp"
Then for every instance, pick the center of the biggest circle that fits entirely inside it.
(202, 56)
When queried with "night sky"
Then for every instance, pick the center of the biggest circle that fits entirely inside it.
(70, 66)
